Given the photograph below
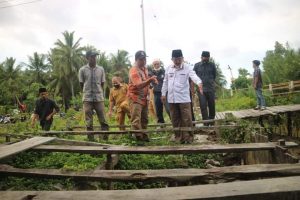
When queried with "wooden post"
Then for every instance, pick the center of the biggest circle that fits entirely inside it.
(109, 166)
(7, 138)
(281, 142)
(291, 86)
(271, 88)
(289, 123)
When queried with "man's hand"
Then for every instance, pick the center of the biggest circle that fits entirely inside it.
(32, 124)
(153, 78)
(200, 88)
(48, 117)
(109, 114)
(163, 99)
(34, 117)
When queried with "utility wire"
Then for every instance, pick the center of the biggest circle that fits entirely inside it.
(19, 4)
(8, 1)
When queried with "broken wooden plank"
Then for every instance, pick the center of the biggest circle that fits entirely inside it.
(216, 148)
(18, 147)
(227, 174)
(264, 189)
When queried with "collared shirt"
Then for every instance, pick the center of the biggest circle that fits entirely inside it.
(176, 83)
(207, 72)
(92, 78)
(118, 96)
(44, 107)
(136, 77)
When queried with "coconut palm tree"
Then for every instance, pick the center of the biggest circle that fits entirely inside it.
(66, 59)
(10, 80)
(120, 64)
(10, 71)
(38, 65)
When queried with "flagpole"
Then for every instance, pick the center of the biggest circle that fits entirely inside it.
(143, 25)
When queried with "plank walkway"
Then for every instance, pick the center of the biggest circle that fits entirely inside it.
(264, 189)
(243, 172)
(251, 113)
(215, 148)
(18, 147)
(239, 114)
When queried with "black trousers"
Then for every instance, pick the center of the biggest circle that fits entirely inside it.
(207, 99)
(159, 107)
(46, 124)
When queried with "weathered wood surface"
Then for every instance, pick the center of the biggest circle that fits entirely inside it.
(149, 125)
(216, 148)
(226, 174)
(195, 129)
(251, 113)
(18, 147)
(79, 143)
(287, 188)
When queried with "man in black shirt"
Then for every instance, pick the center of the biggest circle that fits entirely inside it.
(159, 72)
(44, 110)
(206, 70)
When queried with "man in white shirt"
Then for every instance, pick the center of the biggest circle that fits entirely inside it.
(176, 84)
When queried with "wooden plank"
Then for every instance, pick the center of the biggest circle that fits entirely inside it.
(79, 143)
(243, 113)
(15, 148)
(264, 189)
(216, 148)
(149, 125)
(279, 109)
(57, 133)
(228, 174)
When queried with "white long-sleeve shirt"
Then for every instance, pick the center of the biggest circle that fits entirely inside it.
(176, 83)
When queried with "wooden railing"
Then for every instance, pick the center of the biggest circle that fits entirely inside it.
(276, 89)
(284, 88)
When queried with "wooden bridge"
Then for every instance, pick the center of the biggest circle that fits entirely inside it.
(278, 178)
(249, 176)
(251, 113)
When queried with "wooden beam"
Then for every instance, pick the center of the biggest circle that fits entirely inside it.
(57, 133)
(226, 174)
(61, 141)
(216, 148)
(18, 147)
(149, 125)
(264, 189)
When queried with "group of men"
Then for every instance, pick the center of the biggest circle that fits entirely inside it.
(171, 88)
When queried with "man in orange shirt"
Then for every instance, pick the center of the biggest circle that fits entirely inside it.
(118, 99)
(138, 88)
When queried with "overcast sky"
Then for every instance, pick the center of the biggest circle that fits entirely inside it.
(234, 31)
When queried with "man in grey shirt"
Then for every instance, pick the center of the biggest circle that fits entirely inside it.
(92, 79)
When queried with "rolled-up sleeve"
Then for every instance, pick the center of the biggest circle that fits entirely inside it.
(164, 88)
(194, 76)
(103, 76)
(80, 76)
